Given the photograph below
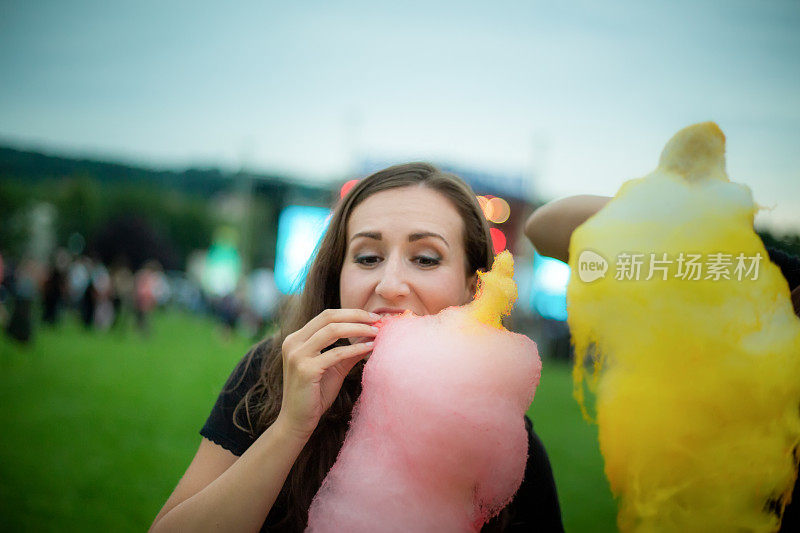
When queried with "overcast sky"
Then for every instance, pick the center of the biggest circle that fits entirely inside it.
(578, 95)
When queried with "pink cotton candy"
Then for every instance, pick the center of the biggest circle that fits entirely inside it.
(437, 441)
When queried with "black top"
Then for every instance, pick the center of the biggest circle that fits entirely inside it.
(534, 507)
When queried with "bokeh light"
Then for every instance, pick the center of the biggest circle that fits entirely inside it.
(483, 201)
(486, 206)
(549, 288)
(497, 210)
(346, 188)
(498, 240)
(223, 264)
(300, 228)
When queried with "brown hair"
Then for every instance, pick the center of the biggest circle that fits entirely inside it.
(262, 403)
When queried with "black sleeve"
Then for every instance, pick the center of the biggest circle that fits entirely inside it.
(535, 506)
(219, 427)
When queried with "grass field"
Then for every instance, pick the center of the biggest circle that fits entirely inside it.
(98, 427)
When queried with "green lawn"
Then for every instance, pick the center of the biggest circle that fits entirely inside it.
(99, 427)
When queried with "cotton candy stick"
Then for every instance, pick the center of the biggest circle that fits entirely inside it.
(437, 441)
(696, 381)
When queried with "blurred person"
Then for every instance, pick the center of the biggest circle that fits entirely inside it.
(104, 308)
(88, 300)
(77, 280)
(122, 292)
(185, 293)
(162, 291)
(228, 310)
(3, 294)
(409, 237)
(262, 300)
(23, 293)
(54, 288)
(147, 290)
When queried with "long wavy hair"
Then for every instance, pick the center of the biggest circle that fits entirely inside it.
(260, 406)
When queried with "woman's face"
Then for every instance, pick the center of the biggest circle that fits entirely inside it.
(405, 251)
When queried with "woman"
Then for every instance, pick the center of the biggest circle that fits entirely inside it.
(409, 237)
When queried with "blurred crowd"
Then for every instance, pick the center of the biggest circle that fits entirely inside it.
(114, 297)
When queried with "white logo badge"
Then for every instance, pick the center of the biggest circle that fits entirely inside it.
(591, 266)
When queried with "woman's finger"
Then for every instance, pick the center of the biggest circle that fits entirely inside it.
(340, 353)
(329, 316)
(331, 333)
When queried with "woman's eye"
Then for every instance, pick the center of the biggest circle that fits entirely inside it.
(367, 260)
(427, 261)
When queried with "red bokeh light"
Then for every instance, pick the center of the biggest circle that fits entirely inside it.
(498, 240)
(346, 188)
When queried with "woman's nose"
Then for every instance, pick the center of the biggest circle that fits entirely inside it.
(393, 283)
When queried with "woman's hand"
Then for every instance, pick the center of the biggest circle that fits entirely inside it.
(312, 378)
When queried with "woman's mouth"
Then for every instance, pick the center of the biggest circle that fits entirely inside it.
(386, 311)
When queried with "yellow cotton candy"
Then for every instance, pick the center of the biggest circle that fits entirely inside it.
(696, 381)
(496, 293)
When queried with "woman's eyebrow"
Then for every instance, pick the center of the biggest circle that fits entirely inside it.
(369, 235)
(422, 234)
(376, 235)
